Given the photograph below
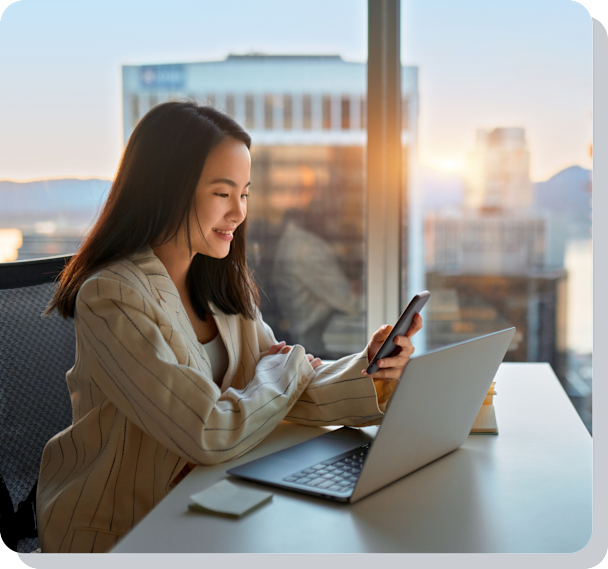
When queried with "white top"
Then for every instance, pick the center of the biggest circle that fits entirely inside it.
(216, 350)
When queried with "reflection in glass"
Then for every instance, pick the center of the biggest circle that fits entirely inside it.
(305, 227)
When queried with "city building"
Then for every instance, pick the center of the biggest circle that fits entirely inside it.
(477, 242)
(497, 172)
(280, 99)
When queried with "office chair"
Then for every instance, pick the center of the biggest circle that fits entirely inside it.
(35, 354)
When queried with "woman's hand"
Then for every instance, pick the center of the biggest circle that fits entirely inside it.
(391, 368)
(283, 348)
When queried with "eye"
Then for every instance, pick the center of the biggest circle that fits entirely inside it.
(221, 195)
(244, 196)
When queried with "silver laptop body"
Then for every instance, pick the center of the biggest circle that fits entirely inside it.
(430, 414)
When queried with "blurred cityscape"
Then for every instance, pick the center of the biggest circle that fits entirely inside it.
(496, 249)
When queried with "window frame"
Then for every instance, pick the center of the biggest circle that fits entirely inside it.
(385, 198)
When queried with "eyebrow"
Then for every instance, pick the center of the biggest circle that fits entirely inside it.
(227, 182)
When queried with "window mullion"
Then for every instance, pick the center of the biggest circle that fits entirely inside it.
(383, 184)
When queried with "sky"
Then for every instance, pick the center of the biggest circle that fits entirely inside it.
(483, 64)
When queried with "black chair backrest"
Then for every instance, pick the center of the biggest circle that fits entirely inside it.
(35, 354)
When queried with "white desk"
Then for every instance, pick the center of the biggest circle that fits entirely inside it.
(526, 490)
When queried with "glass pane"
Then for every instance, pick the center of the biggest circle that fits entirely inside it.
(297, 83)
(499, 190)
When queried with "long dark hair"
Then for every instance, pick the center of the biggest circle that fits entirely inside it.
(151, 197)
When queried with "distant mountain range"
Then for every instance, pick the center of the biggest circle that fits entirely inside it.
(567, 197)
(570, 188)
(70, 202)
(74, 203)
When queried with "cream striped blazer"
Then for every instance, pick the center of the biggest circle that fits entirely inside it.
(146, 409)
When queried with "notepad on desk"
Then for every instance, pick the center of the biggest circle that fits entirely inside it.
(485, 423)
(227, 499)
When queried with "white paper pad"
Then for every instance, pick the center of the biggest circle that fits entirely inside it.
(228, 499)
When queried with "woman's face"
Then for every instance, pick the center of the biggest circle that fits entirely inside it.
(221, 198)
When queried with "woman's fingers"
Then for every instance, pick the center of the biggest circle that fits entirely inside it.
(283, 348)
(387, 375)
(391, 368)
(415, 326)
(274, 349)
(381, 333)
(377, 340)
(405, 344)
(316, 363)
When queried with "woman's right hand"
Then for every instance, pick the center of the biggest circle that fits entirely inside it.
(283, 348)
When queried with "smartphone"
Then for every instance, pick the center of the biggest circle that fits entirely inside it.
(388, 348)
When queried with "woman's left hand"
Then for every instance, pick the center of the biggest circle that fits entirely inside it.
(314, 362)
(283, 348)
(391, 368)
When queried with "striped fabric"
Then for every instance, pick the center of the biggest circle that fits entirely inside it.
(146, 409)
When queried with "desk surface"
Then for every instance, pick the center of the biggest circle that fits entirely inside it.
(526, 490)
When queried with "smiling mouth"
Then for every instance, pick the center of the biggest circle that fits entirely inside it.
(223, 232)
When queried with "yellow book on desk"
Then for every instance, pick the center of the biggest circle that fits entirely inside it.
(485, 423)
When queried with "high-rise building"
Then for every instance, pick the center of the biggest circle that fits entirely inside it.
(497, 172)
(281, 100)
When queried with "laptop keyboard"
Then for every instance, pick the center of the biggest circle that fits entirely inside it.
(339, 474)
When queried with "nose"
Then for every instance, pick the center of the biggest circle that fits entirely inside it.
(238, 209)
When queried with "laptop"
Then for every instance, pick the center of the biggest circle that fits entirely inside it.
(429, 415)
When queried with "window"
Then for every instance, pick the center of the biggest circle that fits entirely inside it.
(230, 107)
(481, 226)
(287, 112)
(135, 116)
(345, 112)
(268, 112)
(499, 245)
(249, 112)
(326, 110)
(306, 112)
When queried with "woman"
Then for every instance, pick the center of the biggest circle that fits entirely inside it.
(174, 365)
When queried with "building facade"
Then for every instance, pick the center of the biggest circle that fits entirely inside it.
(497, 174)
